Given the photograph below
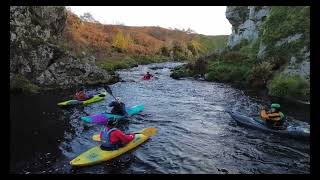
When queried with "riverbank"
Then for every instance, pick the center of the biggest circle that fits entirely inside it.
(238, 68)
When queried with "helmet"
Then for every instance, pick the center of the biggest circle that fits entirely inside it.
(275, 106)
(112, 122)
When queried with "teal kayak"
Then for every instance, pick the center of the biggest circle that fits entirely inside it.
(103, 117)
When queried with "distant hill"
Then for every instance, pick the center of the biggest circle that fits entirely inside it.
(83, 37)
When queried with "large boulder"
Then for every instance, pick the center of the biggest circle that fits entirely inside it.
(35, 53)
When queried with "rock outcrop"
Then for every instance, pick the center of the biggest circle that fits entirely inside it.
(245, 21)
(255, 25)
(36, 55)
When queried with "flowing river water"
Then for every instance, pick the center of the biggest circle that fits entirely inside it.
(195, 133)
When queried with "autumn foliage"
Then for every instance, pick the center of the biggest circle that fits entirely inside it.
(108, 41)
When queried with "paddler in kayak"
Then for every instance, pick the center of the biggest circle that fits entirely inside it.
(81, 95)
(119, 108)
(274, 119)
(147, 76)
(113, 138)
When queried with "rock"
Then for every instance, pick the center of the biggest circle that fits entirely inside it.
(249, 25)
(288, 39)
(262, 51)
(245, 21)
(36, 55)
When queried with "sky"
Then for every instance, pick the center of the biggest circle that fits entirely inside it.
(207, 20)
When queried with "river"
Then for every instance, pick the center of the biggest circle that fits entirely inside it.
(195, 134)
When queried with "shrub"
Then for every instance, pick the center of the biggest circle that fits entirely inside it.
(293, 86)
(277, 61)
(260, 74)
(234, 56)
(200, 66)
(164, 50)
(121, 42)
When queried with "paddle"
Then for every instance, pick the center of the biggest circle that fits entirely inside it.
(107, 88)
(146, 131)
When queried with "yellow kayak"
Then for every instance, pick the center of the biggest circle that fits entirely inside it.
(95, 155)
(95, 98)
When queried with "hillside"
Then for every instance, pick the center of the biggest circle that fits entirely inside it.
(112, 44)
(51, 48)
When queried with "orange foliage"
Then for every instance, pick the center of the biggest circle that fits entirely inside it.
(103, 39)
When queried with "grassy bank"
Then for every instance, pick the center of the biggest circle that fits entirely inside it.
(239, 69)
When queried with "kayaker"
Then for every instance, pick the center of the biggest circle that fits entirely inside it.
(147, 76)
(113, 138)
(81, 95)
(119, 108)
(274, 119)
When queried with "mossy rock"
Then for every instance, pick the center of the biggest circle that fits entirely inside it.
(21, 84)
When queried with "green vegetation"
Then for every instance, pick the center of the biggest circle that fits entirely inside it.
(20, 84)
(182, 71)
(294, 20)
(212, 43)
(232, 66)
(293, 86)
(241, 66)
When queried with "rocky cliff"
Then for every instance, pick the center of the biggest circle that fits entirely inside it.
(36, 60)
(273, 31)
(279, 35)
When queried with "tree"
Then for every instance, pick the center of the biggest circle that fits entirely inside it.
(190, 31)
(88, 18)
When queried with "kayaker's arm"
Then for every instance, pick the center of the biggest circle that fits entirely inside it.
(264, 115)
(274, 117)
(111, 104)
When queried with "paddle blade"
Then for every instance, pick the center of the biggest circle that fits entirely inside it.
(96, 137)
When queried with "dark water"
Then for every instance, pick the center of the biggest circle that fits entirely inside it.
(195, 134)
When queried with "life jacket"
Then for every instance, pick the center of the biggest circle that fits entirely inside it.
(277, 118)
(105, 138)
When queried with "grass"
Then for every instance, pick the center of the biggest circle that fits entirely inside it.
(294, 20)
(212, 43)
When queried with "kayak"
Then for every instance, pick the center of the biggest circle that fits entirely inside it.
(290, 130)
(99, 97)
(96, 155)
(103, 117)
